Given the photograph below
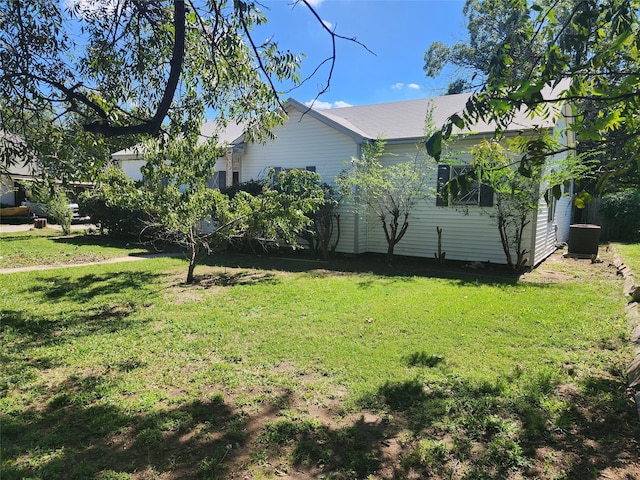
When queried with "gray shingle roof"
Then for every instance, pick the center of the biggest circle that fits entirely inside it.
(396, 121)
(406, 120)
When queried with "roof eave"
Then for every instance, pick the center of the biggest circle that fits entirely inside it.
(305, 110)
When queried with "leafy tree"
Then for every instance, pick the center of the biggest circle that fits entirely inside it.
(175, 196)
(132, 67)
(516, 196)
(180, 209)
(389, 192)
(51, 198)
(622, 210)
(109, 206)
(490, 23)
(281, 212)
(590, 54)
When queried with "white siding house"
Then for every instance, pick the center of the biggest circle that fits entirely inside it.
(326, 140)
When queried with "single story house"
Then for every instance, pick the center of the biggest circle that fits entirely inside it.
(325, 141)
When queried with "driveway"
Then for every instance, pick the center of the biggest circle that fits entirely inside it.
(24, 227)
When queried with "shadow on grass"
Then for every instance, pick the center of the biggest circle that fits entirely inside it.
(541, 432)
(230, 279)
(423, 359)
(102, 241)
(88, 305)
(36, 329)
(77, 435)
(418, 431)
(366, 263)
(87, 287)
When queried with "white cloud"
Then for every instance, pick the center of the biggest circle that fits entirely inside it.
(329, 25)
(402, 86)
(315, 3)
(341, 104)
(320, 105)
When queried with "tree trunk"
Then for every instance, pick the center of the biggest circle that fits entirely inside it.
(193, 260)
(392, 235)
(153, 125)
(390, 248)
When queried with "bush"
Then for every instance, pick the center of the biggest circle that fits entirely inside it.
(109, 207)
(53, 201)
(59, 210)
(115, 221)
(622, 211)
(254, 187)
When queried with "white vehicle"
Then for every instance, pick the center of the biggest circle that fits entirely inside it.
(41, 210)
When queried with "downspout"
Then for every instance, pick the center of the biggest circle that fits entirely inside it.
(534, 236)
(356, 215)
(229, 158)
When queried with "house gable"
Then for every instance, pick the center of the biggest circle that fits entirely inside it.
(304, 140)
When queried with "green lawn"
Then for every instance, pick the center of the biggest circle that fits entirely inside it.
(122, 371)
(51, 247)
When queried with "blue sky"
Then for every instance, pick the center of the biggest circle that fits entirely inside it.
(398, 32)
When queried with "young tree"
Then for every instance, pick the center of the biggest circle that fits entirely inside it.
(388, 192)
(181, 210)
(517, 196)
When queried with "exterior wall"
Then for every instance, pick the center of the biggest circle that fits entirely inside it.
(131, 167)
(550, 232)
(467, 234)
(301, 142)
(304, 142)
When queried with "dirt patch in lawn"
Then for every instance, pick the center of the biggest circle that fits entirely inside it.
(561, 267)
(290, 435)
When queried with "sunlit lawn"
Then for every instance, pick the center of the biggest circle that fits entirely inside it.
(48, 246)
(122, 371)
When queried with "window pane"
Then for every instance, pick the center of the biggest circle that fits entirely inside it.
(472, 194)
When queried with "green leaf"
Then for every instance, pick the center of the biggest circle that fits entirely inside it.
(582, 199)
(457, 120)
(434, 145)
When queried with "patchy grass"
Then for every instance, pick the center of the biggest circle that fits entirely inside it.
(50, 247)
(122, 371)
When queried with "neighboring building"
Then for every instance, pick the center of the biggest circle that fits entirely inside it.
(227, 167)
(12, 193)
(325, 140)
